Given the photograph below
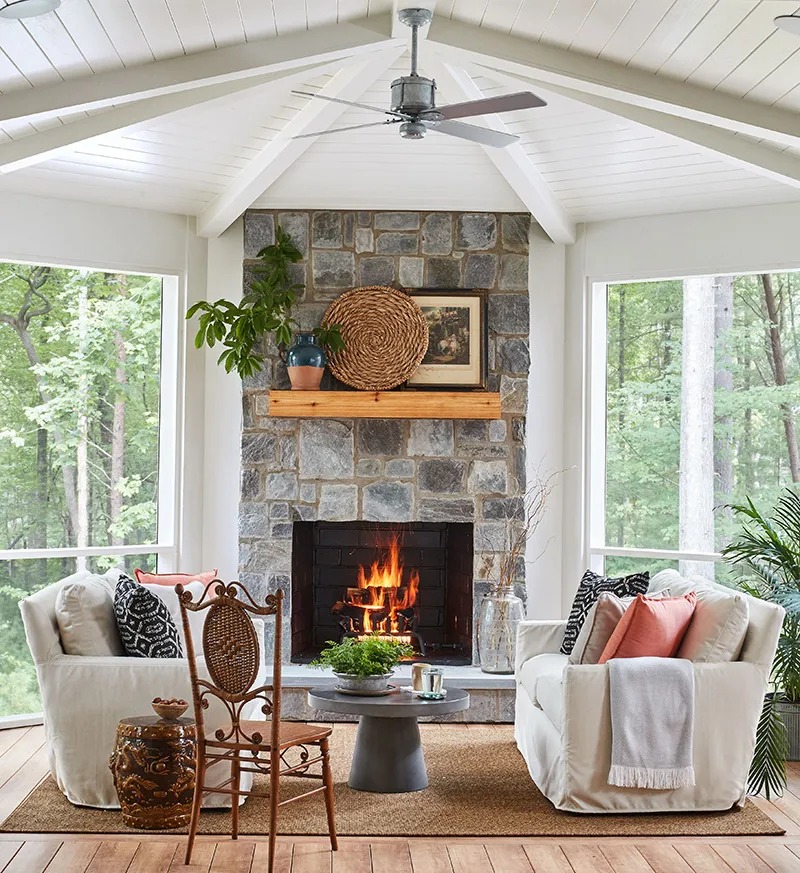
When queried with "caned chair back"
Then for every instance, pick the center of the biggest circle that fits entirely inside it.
(232, 655)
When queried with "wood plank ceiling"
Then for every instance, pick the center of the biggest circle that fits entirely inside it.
(597, 165)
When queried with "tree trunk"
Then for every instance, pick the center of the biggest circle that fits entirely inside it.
(118, 428)
(696, 520)
(779, 370)
(67, 470)
(42, 488)
(723, 383)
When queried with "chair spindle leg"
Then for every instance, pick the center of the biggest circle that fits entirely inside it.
(236, 774)
(200, 778)
(327, 779)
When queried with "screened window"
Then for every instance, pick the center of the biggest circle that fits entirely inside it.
(82, 356)
(695, 388)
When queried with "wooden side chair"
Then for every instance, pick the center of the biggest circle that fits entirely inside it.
(231, 651)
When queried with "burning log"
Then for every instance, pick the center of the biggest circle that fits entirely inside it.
(380, 603)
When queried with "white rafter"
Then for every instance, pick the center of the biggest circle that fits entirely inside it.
(35, 148)
(304, 48)
(559, 66)
(512, 162)
(283, 151)
(765, 160)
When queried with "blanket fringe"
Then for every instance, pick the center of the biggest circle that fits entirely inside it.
(650, 777)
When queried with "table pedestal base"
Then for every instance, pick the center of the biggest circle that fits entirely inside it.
(388, 757)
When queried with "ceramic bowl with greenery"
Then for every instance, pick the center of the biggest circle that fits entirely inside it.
(363, 665)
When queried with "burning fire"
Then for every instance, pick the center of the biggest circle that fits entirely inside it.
(382, 595)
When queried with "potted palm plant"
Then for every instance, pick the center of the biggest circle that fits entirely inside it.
(363, 666)
(768, 550)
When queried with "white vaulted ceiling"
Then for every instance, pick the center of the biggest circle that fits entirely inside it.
(639, 119)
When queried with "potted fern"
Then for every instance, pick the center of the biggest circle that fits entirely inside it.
(363, 666)
(768, 550)
(265, 309)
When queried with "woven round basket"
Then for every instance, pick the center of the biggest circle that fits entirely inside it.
(385, 335)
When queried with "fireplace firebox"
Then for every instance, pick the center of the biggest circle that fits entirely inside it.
(407, 581)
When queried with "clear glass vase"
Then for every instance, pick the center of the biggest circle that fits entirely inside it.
(497, 632)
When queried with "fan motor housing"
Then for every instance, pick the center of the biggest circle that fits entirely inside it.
(413, 94)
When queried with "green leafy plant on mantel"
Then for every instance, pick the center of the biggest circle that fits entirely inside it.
(374, 656)
(769, 548)
(266, 308)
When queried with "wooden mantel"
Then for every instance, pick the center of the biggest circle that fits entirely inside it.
(384, 404)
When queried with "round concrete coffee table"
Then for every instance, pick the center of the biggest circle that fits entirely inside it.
(388, 757)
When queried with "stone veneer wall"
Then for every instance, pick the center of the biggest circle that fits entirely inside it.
(389, 470)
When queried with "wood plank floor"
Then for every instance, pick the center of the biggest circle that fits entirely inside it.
(23, 764)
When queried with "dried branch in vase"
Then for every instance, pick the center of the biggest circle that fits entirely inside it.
(512, 555)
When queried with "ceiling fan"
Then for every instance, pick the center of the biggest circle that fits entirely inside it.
(414, 102)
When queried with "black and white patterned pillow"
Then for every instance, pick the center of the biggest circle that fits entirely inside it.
(592, 585)
(144, 622)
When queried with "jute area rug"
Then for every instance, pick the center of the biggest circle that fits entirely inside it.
(479, 786)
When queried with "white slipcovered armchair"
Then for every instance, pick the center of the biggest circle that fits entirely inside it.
(83, 699)
(563, 721)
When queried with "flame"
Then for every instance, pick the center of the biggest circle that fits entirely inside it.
(384, 585)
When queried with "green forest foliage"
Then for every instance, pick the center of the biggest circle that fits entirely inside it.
(77, 348)
(644, 409)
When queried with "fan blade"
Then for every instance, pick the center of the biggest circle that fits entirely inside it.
(507, 103)
(350, 103)
(351, 127)
(476, 134)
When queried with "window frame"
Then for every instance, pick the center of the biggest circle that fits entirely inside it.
(171, 431)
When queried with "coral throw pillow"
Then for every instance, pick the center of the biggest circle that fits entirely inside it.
(173, 579)
(651, 628)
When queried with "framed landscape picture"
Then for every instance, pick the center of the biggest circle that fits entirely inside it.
(457, 339)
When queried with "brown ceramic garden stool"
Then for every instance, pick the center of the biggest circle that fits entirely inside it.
(154, 771)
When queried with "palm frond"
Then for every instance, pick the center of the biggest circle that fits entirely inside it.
(768, 768)
(774, 545)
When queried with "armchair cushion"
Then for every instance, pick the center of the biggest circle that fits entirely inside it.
(536, 668)
(145, 625)
(651, 627)
(718, 626)
(588, 592)
(84, 610)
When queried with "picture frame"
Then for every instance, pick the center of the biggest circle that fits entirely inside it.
(458, 345)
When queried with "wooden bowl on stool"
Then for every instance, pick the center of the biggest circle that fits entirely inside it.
(169, 710)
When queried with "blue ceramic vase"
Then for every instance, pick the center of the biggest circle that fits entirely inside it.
(305, 362)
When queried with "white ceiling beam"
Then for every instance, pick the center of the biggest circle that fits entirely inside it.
(213, 66)
(283, 151)
(560, 66)
(765, 160)
(512, 162)
(38, 147)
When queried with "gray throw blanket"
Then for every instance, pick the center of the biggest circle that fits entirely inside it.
(652, 722)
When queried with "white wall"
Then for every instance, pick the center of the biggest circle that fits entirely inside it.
(545, 421)
(223, 420)
(70, 233)
(740, 240)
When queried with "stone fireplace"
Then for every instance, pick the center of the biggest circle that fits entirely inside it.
(305, 481)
